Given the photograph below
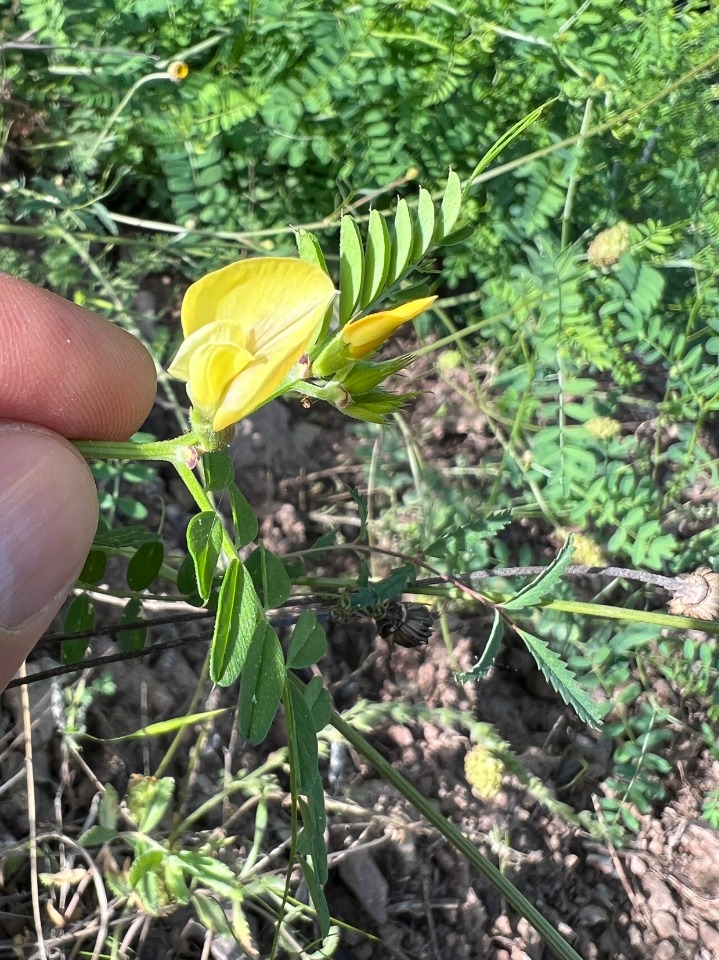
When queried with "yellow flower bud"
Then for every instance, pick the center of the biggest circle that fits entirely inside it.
(366, 334)
(361, 337)
(245, 327)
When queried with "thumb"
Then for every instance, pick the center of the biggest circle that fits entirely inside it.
(48, 517)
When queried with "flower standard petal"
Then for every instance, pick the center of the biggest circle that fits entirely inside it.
(366, 334)
(246, 325)
(254, 292)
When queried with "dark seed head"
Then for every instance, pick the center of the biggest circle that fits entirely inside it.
(407, 624)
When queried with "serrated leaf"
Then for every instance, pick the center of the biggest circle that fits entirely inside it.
(244, 517)
(361, 500)
(204, 541)
(219, 470)
(376, 258)
(235, 624)
(558, 674)
(394, 584)
(147, 862)
(458, 538)
(451, 205)
(309, 249)
(489, 654)
(351, 267)
(174, 876)
(211, 915)
(211, 872)
(263, 680)
(534, 592)
(269, 576)
(402, 242)
(424, 227)
(96, 836)
(242, 930)
(308, 643)
(145, 565)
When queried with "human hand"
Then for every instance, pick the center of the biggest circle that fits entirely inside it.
(63, 373)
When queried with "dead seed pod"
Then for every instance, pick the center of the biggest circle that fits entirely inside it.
(407, 624)
(697, 595)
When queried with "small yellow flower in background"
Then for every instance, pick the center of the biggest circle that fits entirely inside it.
(587, 552)
(177, 70)
(245, 327)
(484, 772)
(366, 334)
(603, 428)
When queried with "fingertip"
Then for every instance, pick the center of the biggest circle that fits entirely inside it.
(48, 518)
(69, 370)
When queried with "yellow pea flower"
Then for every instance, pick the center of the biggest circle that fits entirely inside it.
(366, 334)
(245, 327)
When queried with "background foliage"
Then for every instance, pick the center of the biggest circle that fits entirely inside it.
(600, 386)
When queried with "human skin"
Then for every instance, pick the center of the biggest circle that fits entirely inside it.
(64, 374)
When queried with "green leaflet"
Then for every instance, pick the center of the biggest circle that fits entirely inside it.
(451, 205)
(148, 800)
(204, 541)
(145, 565)
(308, 643)
(377, 258)
(219, 470)
(269, 576)
(243, 517)
(401, 242)
(351, 267)
(309, 249)
(262, 683)
(424, 232)
(134, 637)
(80, 616)
(235, 623)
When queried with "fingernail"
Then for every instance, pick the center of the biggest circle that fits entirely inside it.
(48, 516)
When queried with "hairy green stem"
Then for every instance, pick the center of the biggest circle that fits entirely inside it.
(180, 450)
